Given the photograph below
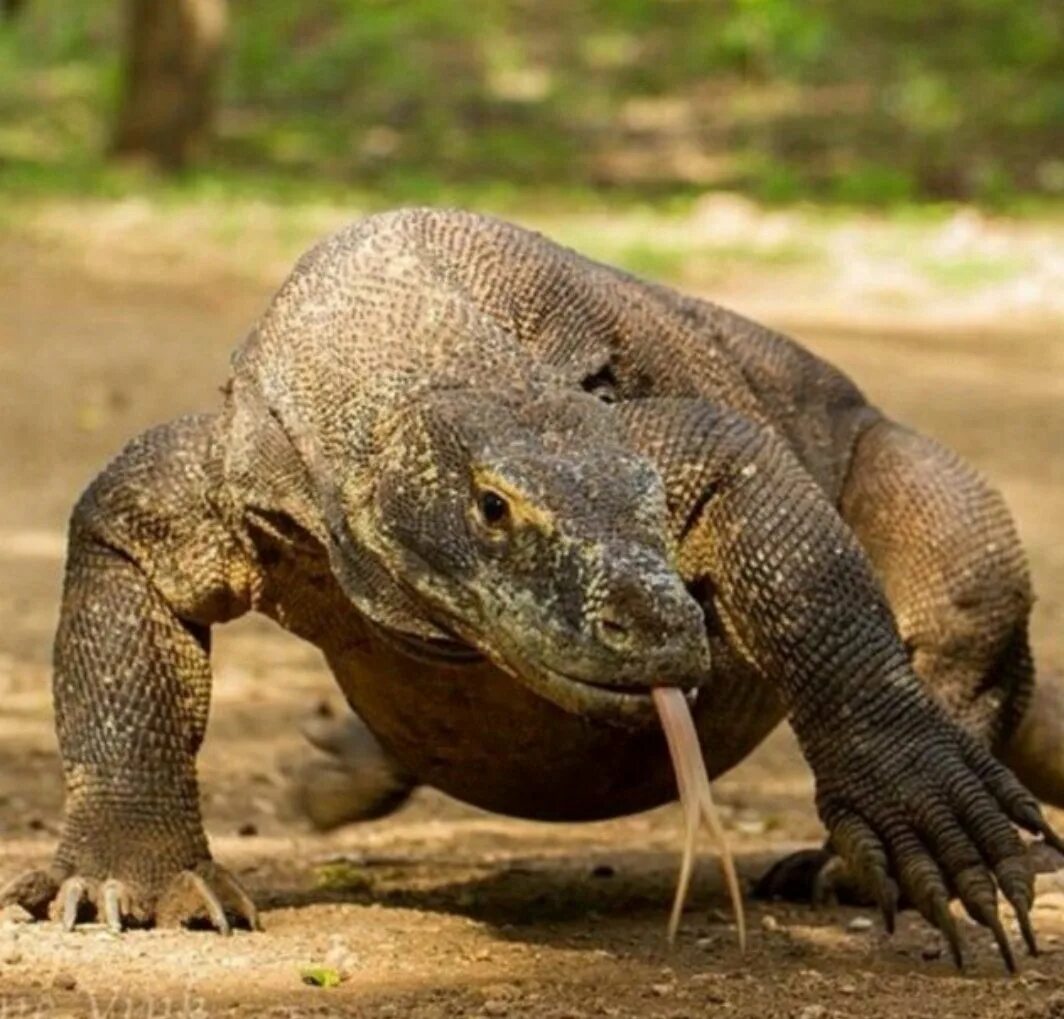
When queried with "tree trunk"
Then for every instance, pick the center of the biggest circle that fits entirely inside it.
(173, 54)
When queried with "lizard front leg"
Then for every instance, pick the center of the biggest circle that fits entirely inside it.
(149, 567)
(911, 800)
(950, 563)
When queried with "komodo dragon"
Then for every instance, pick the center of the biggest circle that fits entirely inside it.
(506, 491)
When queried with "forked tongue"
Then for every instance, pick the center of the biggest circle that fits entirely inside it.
(696, 802)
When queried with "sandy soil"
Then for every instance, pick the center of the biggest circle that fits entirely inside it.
(442, 910)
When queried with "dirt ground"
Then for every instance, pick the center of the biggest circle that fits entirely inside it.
(442, 910)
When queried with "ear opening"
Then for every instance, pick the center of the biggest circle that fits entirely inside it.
(602, 384)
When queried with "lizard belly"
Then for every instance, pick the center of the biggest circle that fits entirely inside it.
(480, 735)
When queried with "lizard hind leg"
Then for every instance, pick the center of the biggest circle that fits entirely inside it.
(816, 875)
(947, 554)
(1035, 750)
(353, 778)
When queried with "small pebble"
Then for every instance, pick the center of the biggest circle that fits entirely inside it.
(662, 990)
(769, 923)
(931, 952)
(1034, 976)
(11, 956)
(706, 944)
(64, 982)
(859, 924)
(812, 1012)
(340, 959)
(496, 1006)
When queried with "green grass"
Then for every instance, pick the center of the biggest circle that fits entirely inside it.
(674, 259)
(643, 258)
(971, 272)
(881, 104)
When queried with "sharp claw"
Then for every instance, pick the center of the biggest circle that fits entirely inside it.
(993, 921)
(1023, 918)
(112, 906)
(73, 894)
(1018, 891)
(945, 923)
(34, 891)
(1051, 837)
(982, 907)
(824, 884)
(888, 904)
(244, 901)
(1029, 815)
(215, 910)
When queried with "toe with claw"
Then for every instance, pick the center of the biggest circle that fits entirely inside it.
(939, 822)
(207, 896)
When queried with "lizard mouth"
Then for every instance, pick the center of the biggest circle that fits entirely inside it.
(430, 650)
(616, 703)
(629, 705)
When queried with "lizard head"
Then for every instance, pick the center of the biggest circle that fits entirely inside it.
(522, 528)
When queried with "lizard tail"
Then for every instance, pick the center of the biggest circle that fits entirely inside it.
(1035, 750)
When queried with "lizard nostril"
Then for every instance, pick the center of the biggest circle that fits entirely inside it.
(612, 632)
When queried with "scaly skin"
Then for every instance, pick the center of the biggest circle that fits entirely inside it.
(506, 491)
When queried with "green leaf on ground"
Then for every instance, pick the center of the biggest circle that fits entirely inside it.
(320, 976)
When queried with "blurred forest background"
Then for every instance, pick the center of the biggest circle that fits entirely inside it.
(869, 102)
(884, 179)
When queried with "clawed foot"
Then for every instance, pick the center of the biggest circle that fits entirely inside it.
(207, 896)
(817, 876)
(821, 877)
(922, 812)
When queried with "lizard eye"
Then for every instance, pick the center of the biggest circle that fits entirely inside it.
(494, 509)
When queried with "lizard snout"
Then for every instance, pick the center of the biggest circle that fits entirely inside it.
(656, 630)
